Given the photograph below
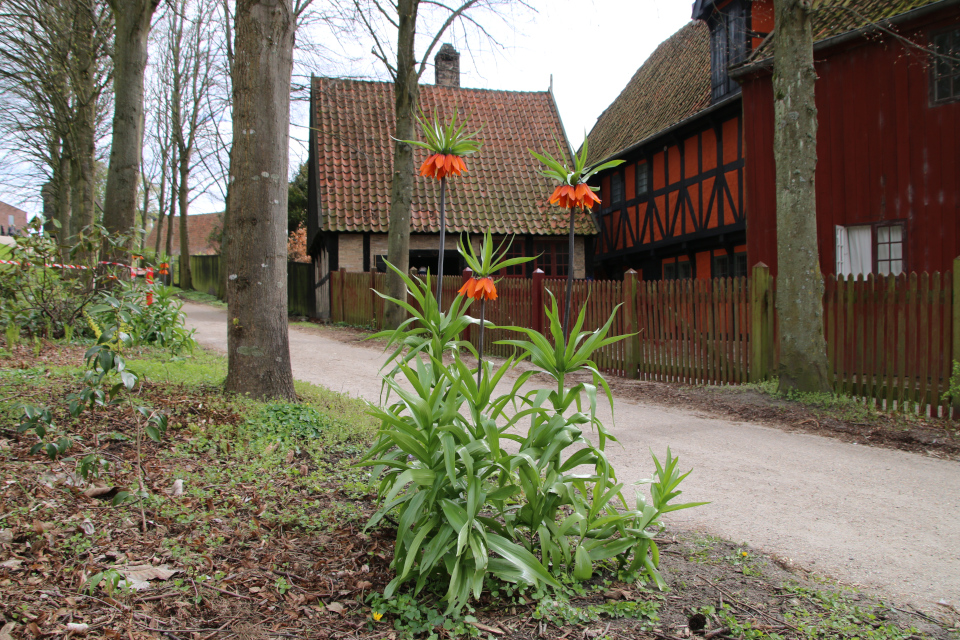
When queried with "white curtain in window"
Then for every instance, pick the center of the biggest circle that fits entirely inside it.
(860, 241)
(843, 252)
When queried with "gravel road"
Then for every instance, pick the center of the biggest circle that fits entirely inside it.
(885, 520)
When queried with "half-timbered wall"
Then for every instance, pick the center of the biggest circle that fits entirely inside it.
(887, 153)
(693, 194)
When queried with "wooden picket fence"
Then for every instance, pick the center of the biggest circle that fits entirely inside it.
(890, 340)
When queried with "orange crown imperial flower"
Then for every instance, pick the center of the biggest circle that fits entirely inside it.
(479, 289)
(441, 165)
(570, 197)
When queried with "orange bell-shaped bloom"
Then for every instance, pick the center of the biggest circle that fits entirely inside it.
(442, 165)
(570, 197)
(479, 289)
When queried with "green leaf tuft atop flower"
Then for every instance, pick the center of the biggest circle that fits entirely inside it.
(448, 143)
(573, 191)
(489, 261)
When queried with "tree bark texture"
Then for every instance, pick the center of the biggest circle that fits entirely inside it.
(173, 204)
(406, 95)
(186, 273)
(161, 205)
(803, 350)
(132, 19)
(83, 132)
(258, 347)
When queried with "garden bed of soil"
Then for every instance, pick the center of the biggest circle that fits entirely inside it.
(246, 540)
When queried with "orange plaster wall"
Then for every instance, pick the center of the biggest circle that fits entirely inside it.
(730, 141)
(709, 150)
(673, 155)
(703, 265)
(658, 179)
(690, 156)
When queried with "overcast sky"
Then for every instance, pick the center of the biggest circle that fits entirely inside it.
(591, 47)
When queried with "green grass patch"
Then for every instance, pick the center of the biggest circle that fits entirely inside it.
(199, 296)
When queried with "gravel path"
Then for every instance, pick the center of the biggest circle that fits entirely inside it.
(885, 520)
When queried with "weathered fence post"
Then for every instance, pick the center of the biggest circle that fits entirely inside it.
(631, 363)
(536, 295)
(761, 340)
(343, 294)
(955, 344)
(373, 298)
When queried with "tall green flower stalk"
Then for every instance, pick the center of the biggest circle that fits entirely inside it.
(481, 285)
(448, 144)
(572, 193)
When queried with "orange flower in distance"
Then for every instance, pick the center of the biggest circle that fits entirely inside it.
(442, 165)
(570, 197)
(479, 289)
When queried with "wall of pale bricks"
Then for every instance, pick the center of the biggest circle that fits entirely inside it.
(351, 248)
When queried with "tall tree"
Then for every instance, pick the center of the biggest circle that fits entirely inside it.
(83, 133)
(132, 29)
(191, 66)
(803, 349)
(40, 60)
(402, 17)
(258, 347)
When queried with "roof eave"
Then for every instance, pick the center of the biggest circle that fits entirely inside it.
(741, 71)
(678, 125)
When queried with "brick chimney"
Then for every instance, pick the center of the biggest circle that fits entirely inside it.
(447, 63)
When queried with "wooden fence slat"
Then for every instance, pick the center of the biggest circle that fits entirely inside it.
(948, 344)
(936, 317)
(893, 331)
(889, 338)
(879, 309)
(923, 368)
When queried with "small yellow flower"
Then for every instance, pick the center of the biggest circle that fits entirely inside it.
(377, 616)
(743, 553)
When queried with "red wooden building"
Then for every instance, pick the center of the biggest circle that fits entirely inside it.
(888, 143)
(696, 196)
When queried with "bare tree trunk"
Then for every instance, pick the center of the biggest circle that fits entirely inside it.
(48, 194)
(145, 216)
(803, 350)
(84, 128)
(186, 274)
(161, 205)
(63, 195)
(406, 94)
(132, 19)
(258, 347)
(173, 203)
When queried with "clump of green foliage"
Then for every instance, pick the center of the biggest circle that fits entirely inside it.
(468, 508)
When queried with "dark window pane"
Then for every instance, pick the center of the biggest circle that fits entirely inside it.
(616, 189)
(945, 70)
(643, 183)
(720, 267)
(740, 265)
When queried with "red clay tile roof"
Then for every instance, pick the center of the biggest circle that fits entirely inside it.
(502, 191)
(672, 85)
(199, 228)
(834, 17)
